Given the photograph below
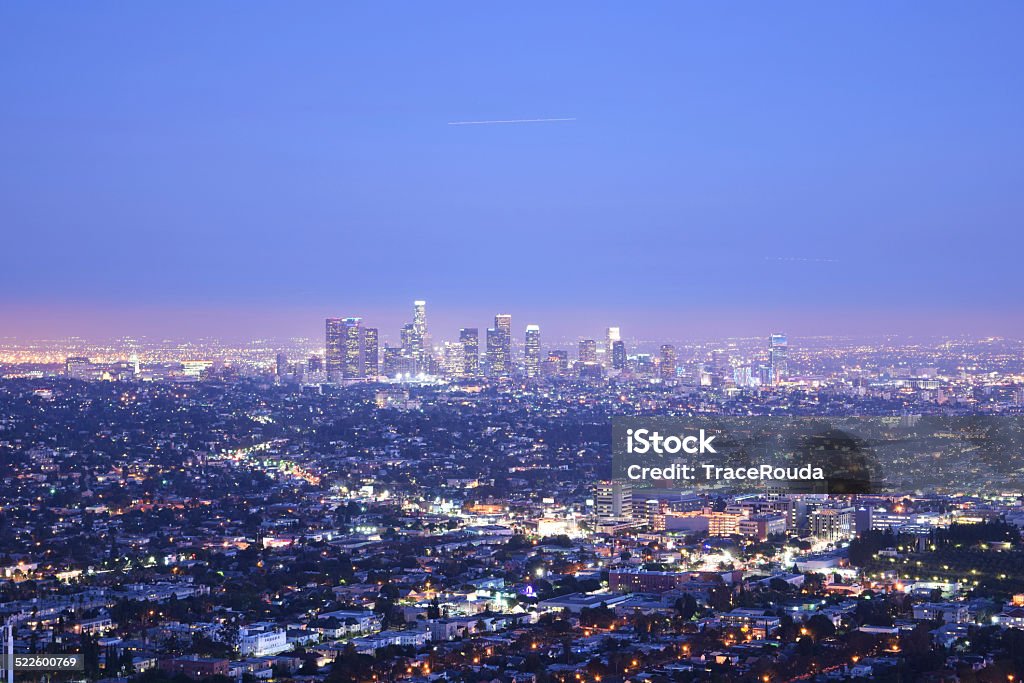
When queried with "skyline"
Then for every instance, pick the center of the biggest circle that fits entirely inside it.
(248, 323)
(806, 167)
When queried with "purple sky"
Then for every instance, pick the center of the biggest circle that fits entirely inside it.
(821, 168)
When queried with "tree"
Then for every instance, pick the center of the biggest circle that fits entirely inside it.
(821, 626)
(686, 606)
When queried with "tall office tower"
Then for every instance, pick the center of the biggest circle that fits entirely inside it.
(371, 352)
(668, 361)
(408, 343)
(352, 348)
(612, 335)
(469, 337)
(495, 362)
(503, 323)
(613, 500)
(282, 364)
(499, 346)
(778, 358)
(531, 354)
(335, 354)
(719, 361)
(314, 364)
(454, 359)
(588, 351)
(393, 358)
(558, 361)
(618, 355)
(420, 336)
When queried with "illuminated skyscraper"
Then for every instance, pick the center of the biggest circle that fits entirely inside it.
(503, 322)
(495, 356)
(371, 352)
(454, 359)
(668, 361)
(352, 348)
(778, 358)
(611, 336)
(469, 337)
(618, 355)
(344, 348)
(560, 358)
(282, 364)
(588, 351)
(531, 354)
(414, 334)
(420, 336)
(408, 343)
(334, 357)
(499, 346)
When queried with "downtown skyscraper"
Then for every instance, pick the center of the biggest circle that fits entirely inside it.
(416, 338)
(469, 337)
(531, 352)
(612, 335)
(335, 348)
(371, 352)
(344, 345)
(618, 355)
(668, 362)
(588, 351)
(778, 358)
(499, 346)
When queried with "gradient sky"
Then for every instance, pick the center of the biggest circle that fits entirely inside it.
(214, 168)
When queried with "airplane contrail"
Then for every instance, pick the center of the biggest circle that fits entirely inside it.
(485, 123)
(801, 259)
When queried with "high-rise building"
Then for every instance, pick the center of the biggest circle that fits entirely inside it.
(499, 346)
(469, 337)
(344, 348)
(668, 361)
(613, 500)
(335, 354)
(531, 353)
(352, 349)
(618, 355)
(588, 351)
(557, 362)
(371, 352)
(396, 362)
(407, 340)
(454, 359)
(612, 335)
(495, 359)
(314, 364)
(281, 364)
(420, 337)
(778, 358)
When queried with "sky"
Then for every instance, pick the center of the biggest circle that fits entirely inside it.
(233, 169)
